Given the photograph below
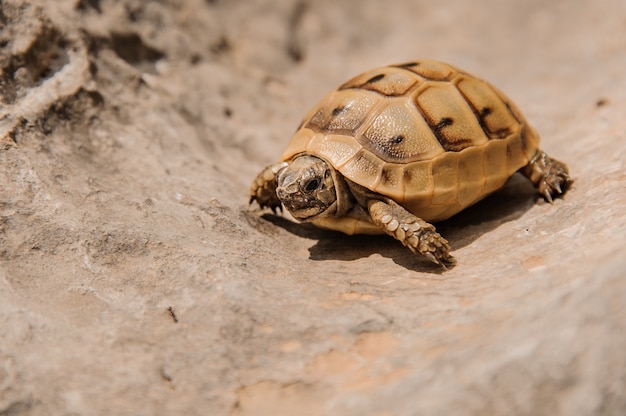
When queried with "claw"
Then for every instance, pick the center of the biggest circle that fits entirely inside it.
(549, 175)
(547, 196)
(557, 187)
(263, 189)
(430, 256)
(448, 263)
(443, 263)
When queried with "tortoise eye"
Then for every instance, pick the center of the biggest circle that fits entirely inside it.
(312, 185)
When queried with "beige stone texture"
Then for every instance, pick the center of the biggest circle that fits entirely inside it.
(136, 280)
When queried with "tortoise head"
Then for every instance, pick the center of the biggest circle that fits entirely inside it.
(307, 188)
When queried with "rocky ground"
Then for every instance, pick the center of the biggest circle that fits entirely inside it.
(136, 280)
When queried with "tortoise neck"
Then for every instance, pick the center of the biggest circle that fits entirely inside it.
(345, 199)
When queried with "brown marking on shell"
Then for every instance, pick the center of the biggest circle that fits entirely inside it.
(387, 81)
(315, 109)
(450, 117)
(398, 133)
(342, 112)
(513, 109)
(431, 70)
(373, 79)
(407, 65)
(494, 115)
(515, 153)
(338, 110)
(392, 181)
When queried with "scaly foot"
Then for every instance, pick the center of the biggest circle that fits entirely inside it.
(416, 234)
(550, 176)
(263, 188)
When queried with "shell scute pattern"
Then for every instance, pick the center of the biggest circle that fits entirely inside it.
(387, 81)
(493, 114)
(365, 165)
(450, 117)
(340, 149)
(342, 112)
(431, 137)
(397, 133)
(494, 163)
(418, 183)
(431, 70)
(471, 169)
(392, 180)
(446, 180)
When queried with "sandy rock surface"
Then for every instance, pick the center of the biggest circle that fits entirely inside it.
(136, 280)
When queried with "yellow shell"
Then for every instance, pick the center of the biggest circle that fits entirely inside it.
(431, 137)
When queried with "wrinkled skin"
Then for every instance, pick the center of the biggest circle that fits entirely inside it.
(307, 189)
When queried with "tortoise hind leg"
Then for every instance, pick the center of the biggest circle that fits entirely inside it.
(416, 234)
(263, 189)
(550, 176)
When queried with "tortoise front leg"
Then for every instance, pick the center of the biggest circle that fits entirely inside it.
(263, 188)
(419, 236)
(549, 176)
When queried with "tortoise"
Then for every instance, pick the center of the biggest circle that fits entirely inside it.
(401, 146)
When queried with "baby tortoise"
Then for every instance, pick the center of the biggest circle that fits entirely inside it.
(401, 146)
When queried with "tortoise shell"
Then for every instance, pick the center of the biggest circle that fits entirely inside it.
(431, 137)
